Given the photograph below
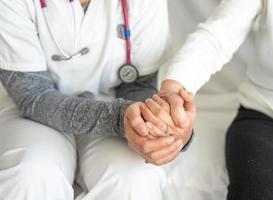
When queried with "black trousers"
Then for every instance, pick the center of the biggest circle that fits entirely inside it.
(249, 156)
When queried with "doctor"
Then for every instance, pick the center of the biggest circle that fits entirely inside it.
(61, 64)
(249, 140)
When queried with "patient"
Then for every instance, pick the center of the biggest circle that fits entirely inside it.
(249, 139)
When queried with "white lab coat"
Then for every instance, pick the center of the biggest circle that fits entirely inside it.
(39, 163)
(27, 45)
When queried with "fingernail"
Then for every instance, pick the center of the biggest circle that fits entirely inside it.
(179, 143)
(147, 100)
(149, 125)
(143, 130)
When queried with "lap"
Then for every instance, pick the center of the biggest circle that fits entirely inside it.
(105, 161)
(25, 141)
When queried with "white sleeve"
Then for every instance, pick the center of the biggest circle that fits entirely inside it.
(213, 43)
(20, 48)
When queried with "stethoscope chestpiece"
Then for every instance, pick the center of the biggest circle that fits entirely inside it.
(128, 73)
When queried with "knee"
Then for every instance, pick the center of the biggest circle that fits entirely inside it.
(32, 177)
(40, 172)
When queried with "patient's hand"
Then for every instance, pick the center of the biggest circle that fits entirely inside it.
(182, 105)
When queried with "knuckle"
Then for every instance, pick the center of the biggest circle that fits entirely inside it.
(177, 99)
(145, 148)
(178, 102)
(159, 113)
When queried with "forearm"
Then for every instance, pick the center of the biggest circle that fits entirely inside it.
(213, 43)
(37, 99)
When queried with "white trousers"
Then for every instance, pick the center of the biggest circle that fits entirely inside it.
(39, 163)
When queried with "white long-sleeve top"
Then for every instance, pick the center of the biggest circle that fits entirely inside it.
(214, 42)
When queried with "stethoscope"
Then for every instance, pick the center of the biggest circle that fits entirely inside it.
(128, 73)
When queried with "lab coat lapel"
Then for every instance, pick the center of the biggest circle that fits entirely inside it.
(95, 20)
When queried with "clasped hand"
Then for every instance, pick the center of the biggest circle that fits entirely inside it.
(158, 128)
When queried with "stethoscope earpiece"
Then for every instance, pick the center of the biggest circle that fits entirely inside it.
(56, 58)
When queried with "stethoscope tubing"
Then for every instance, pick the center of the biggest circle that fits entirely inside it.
(60, 49)
(66, 56)
(127, 31)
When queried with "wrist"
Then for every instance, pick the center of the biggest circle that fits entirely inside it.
(170, 86)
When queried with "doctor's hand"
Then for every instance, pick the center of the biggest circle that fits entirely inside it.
(181, 108)
(157, 151)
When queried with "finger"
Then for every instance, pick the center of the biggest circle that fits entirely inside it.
(135, 119)
(177, 109)
(151, 137)
(149, 116)
(188, 97)
(143, 144)
(133, 138)
(170, 157)
(154, 131)
(162, 103)
(156, 156)
(154, 145)
(175, 131)
(159, 113)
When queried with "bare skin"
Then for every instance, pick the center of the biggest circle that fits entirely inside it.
(84, 1)
(167, 117)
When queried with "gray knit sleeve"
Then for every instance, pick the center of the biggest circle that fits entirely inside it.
(37, 98)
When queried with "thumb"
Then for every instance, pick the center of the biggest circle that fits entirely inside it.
(189, 100)
(133, 115)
